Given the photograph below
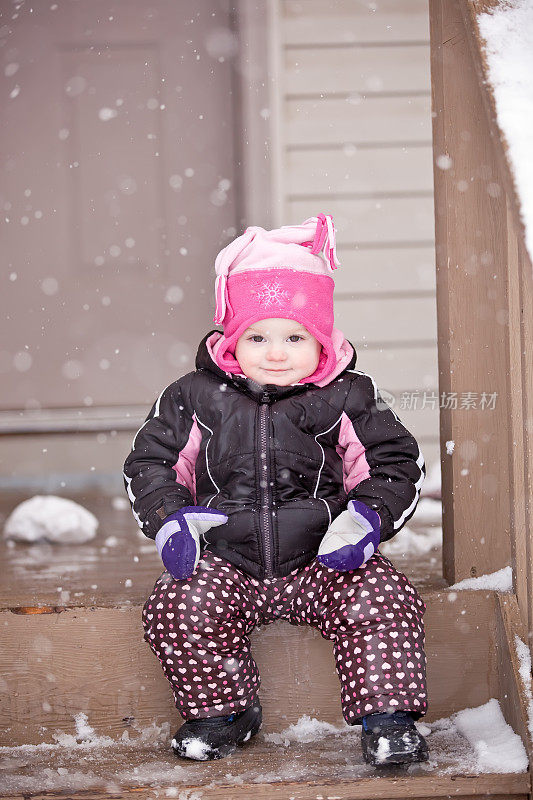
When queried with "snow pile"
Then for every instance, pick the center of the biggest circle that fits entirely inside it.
(417, 542)
(427, 521)
(307, 729)
(194, 748)
(433, 483)
(497, 746)
(79, 761)
(85, 734)
(120, 503)
(501, 581)
(469, 742)
(494, 746)
(429, 511)
(524, 656)
(83, 729)
(411, 542)
(86, 738)
(508, 33)
(55, 519)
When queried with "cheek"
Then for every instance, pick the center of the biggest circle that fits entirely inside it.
(244, 355)
(308, 362)
(240, 349)
(314, 355)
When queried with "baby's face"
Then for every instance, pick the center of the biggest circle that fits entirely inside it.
(278, 351)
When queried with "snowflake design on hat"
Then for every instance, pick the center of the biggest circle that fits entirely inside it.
(271, 294)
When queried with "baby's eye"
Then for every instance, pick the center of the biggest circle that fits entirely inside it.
(295, 337)
(256, 337)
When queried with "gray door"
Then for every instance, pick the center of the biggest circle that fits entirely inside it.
(117, 184)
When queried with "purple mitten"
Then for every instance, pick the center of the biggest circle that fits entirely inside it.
(351, 539)
(178, 540)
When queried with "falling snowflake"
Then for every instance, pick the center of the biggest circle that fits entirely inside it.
(271, 294)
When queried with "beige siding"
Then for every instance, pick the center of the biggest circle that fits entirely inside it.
(354, 140)
(349, 68)
(371, 221)
(353, 171)
(358, 120)
(387, 21)
(385, 270)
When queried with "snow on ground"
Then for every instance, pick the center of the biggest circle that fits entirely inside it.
(412, 542)
(428, 512)
(508, 33)
(497, 746)
(428, 534)
(472, 741)
(524, 657)
(50, 518)
(501, 581)
(433, 482)
(428, 516)
(305, 730)
(120, 503)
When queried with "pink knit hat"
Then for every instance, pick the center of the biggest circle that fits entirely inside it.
(280, 273)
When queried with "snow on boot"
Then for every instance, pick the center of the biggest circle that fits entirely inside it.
(392, 739)
(216, 737)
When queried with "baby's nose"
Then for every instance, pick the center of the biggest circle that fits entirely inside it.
(276, 353)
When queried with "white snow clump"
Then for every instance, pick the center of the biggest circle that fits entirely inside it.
(412, 542)
(195, 748)
(429, 511)
(55, 519)
(433, 482)
(501, 581)
(498, 747)
(305, 730)
(508, 33)
(524, 656)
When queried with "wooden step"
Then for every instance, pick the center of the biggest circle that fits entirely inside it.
(68, 649)
(95, 661)
(331, 769)
(120, 565)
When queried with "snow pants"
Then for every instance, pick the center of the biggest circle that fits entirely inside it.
(199, 628)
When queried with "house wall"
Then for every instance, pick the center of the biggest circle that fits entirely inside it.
(352, 137)
(331, 107)
(119, 188)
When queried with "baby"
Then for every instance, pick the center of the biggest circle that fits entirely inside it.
(268, 478)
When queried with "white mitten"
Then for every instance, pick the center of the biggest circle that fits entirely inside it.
(351, 539)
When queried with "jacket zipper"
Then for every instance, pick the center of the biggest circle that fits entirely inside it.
(264, 484)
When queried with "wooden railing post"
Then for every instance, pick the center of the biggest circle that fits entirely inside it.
(485, 313)
(520, 332)
(472, 310)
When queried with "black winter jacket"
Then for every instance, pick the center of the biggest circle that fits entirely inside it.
(281, 462)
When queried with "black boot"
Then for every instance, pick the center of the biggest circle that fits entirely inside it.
(216, 737)
(392, 739)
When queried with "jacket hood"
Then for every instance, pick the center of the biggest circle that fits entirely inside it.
(205, 359)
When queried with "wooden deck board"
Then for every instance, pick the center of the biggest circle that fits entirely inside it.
(143, 767)
(98, 573)
(94, 661)
(331, 767)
